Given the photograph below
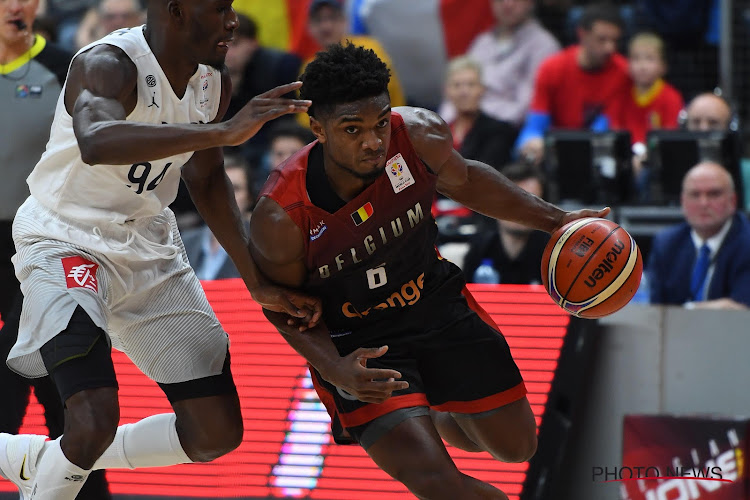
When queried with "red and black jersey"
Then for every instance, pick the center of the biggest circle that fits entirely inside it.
(374, 257)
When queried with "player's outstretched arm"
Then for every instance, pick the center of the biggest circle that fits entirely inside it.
(101, 91)
(277, 246)
(477, 185)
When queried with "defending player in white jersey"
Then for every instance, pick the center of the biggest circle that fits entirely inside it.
(101, 262)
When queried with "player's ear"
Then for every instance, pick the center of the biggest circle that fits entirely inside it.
(317, 129)
(175, 9)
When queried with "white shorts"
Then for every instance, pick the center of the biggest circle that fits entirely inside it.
(132, 279)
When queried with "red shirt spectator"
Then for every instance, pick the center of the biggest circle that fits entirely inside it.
(574, 97)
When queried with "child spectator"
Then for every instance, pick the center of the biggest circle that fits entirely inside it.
(651, 103)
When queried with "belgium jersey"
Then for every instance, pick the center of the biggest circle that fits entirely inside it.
(372, 260)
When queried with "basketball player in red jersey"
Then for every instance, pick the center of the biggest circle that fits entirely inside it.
(406, 356)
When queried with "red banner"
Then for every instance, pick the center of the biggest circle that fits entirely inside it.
(683, 458)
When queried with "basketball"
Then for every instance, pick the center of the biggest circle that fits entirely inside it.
(591, 267)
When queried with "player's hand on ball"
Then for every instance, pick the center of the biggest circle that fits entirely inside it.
(581, 214)
(261, 109)
(370, 385)
(306, 309)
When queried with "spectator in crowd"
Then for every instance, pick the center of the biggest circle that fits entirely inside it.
(205, 253)
(708, 111)
(32, 72)
(690, 29)
(509, 56)
(577, 88)
(255, 69)
(704, 262)
(328, 25)
(67, 14)
(650, 103)
(475, 134)
(287, 139)
(108, 16)
(515, 250)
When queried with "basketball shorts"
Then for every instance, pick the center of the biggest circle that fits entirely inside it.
(133, 280)
(458, 362)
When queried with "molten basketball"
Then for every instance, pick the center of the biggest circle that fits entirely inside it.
(591, 267)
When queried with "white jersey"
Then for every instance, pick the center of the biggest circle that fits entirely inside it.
(64, 184)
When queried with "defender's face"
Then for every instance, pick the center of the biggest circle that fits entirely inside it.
(356, 136)
(211, 29)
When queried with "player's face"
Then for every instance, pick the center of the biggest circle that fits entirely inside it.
(211, 29)
(13, 11)
(356, 136)
(464, 90)
(511, 13)
(708, 199)
(645, 63)
(600, 42)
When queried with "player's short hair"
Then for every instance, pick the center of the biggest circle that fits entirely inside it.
(605, 12)
(648, 38)
(343, 74)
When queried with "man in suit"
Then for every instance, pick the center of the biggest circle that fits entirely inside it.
(206, 255)
(704, 262)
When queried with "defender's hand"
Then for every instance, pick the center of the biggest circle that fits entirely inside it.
(306, 309)
(261, 109)
(370, 385)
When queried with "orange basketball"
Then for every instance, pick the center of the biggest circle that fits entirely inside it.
(591, 267)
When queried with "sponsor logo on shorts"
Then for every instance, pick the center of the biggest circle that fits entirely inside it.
(80, 273)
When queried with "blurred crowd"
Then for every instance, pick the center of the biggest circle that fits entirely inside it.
(504, 74)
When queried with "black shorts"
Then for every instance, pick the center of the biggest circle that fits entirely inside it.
(458, 363)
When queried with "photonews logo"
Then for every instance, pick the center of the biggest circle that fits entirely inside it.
(676, 482)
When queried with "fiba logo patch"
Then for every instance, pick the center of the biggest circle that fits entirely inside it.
(400, 175)
(151, 81)
(397, 170)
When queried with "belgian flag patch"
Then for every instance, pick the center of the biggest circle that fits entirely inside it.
(364, 213)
